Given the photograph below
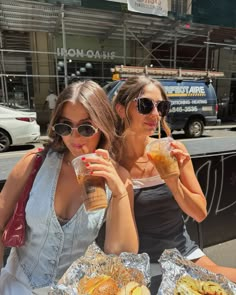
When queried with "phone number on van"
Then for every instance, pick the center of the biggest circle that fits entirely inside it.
(184, 109)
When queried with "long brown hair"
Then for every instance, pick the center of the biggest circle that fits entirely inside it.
(95, 101)
(131, 89)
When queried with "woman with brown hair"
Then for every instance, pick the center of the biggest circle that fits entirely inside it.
(59, 229)
(141, 105)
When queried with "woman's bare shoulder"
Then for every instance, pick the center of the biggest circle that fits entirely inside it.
(24, 166)
(15, 183)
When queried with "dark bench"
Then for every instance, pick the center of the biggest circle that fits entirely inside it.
(214, 161)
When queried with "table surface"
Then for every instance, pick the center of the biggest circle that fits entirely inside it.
(197, 147)
(210, 146)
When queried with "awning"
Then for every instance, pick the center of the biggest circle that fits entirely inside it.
(28, 16)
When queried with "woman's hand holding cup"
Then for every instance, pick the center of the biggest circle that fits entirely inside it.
(106, 167)
(159, 152)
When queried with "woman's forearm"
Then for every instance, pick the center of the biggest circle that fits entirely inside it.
(191, 203)
(186, 189)
(121, 232)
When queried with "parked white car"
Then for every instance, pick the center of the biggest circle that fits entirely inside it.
(17, 127)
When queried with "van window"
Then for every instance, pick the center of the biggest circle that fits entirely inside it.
(107, 88)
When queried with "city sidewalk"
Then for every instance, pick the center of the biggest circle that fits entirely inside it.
(224, 125)
(43, 133)
(223, 253)
(43, 138)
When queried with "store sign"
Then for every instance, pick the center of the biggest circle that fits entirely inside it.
(89, 53)
(156, 7)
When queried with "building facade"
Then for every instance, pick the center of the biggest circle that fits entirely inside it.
(48, 44)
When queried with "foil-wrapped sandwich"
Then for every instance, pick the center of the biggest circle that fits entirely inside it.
(106, 285)
(96, 273)
(187, 285)
(183, 277)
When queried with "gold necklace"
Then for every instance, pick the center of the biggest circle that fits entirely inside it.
(143, 159)
(145, 170)
(142, 162)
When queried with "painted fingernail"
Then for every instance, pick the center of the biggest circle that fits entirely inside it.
(87, 165)
(91, 172)
(83, 158)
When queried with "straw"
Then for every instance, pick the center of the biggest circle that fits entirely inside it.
(159, 129)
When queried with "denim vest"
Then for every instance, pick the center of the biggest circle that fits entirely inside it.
(49, 247)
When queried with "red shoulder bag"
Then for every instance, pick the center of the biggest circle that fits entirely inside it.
(14, 232)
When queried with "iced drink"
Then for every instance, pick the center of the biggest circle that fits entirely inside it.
(158, 152)
(94, 194)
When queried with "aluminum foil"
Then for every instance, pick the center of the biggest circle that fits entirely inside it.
(175, 266)
(95, 262)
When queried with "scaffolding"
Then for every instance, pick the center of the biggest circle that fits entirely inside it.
(179, 74)
(154, 35)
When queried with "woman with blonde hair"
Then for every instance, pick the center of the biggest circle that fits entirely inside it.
(141, 105)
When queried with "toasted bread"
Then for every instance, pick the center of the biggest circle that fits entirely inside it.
(101, 285)
(187, 285)
(133, 288)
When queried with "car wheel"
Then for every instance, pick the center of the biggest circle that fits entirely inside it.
(194, 128)
(4, 141)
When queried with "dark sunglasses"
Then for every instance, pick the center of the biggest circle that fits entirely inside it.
(146, 105)
(64, 129)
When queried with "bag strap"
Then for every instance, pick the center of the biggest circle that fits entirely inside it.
(37, 164)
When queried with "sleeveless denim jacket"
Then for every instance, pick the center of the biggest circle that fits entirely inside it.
(49, 247)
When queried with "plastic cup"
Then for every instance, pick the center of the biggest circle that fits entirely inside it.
(94, 194)
(158, 152)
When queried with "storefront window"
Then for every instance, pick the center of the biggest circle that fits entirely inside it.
(99, 72)
(19, 91)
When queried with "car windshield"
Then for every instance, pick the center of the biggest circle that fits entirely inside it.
(107, 88)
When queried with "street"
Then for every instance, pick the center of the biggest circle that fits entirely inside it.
(212, 131)
(8, 159)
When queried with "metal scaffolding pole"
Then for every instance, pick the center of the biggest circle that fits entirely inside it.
(207, 50)
(150, 53)
(2, 85)
(64, 45)
(124, 44)
(27, 88)
(170, 62)
(175, 52)
(3, 76)
(153, 50)
(56, 64)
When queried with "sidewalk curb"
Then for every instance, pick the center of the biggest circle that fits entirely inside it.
(218, 127)
(43, 138)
